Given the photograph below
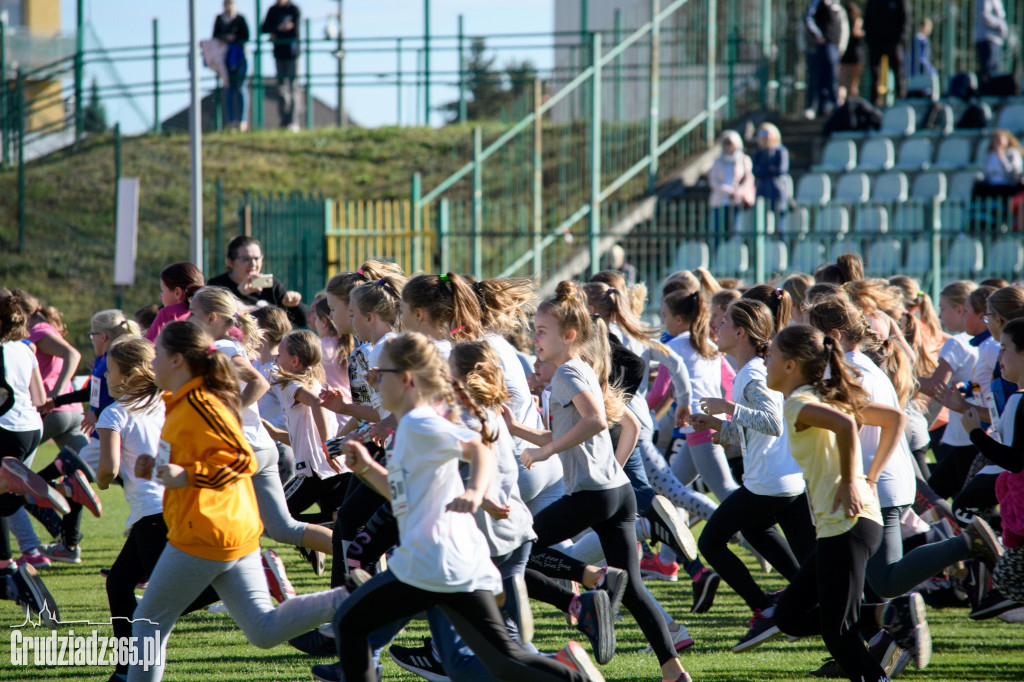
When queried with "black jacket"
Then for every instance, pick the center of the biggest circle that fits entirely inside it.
(885, 22)
(286, 43)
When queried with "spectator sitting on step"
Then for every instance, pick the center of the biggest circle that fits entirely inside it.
(245, 261)
(1003, 167)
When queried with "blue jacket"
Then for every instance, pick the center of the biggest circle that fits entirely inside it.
(769, 167)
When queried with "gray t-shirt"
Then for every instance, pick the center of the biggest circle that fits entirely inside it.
(590, 465)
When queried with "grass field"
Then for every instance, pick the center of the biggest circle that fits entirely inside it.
(210, 647)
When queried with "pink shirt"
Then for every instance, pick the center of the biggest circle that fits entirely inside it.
(337, 375)
(171, 313)
(50, 366)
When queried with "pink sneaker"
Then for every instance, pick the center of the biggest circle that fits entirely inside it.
(21, 480)
(79, 490)
(33, 558)
(277, 580)
(651, 568)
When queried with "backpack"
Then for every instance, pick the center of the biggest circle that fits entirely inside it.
(977, 115)
(963, 85)
(6, 392)
(235, 58)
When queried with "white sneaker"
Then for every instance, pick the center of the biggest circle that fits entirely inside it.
(277, 580)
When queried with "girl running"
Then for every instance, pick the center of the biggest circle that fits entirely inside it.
(432, 506)
(213, 525)
(444, 307)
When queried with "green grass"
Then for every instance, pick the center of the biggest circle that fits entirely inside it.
(210, 647)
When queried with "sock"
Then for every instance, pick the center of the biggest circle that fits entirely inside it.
(600, 581)
(693, 568)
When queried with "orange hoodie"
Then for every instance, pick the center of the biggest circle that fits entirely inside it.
(215, 516)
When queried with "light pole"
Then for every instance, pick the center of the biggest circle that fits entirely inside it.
(195, 133)
(340, 54)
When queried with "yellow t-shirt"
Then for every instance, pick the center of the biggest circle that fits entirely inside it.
(817, 453)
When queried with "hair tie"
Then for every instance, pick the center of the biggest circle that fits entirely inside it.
(843, 285)
(210, 350)
(456, 330)
(919, 295)
(360, 272)
(612, 290)
(778, 293)
(122, 323)
(444, 279)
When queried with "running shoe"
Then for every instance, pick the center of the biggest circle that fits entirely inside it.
(58, 551)
(421, 661)
(684, 677)
(904, 618)
(681, 639)
(277, 580)
(34, 558)
(614, 583)
(315, 558)
(71, 462)
(594, 619)
(24, 586)
(884, 649)
(983, 543)
(705, 587)
(991, 605)
(315, 643)
(829, 670)
(762, 629)
(23, 481)
(524, 615)
(666, 527)
(574, 656)
(652, 568)
(76, 486)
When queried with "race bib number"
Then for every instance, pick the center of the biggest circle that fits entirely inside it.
(163, 454)
(399, 498)
(94, 393)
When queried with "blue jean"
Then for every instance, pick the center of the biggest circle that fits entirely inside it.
(637, 476)
(827, 57)
(988, 59)
(235, 99)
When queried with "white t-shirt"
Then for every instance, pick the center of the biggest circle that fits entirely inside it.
(140, 435)
(768, 468)
(310, 459)
(439, 550)
(961, 356)
(252, 427)
(270, 402)
(373, 360)
(705, 373)
(19, 361)
(444, 346)
(988, 356)
(897, 484)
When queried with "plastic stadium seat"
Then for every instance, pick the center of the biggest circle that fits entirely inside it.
(814, 188)
(840, 246)
(898, 121)
(920, 82)
(963, 257)
(839, 156)
(954, 153)
(776, 257)
(872, 220)
(798, 221)
(919, 258)
(1012, 118)
(909, 218)
(732, 258)
(890, 187)
(1006, 258)
(961, 185)
(915, 154)
(808, 254)
(884, 257)
(745, 222)
(692, 255)
(833, 220)
(876, 154)
(853, 187)
(981, 152)
(929, 186)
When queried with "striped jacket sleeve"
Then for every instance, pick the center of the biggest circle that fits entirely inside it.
(223, 456)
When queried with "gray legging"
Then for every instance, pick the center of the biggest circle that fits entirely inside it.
(890, 573)
(179, 578)
(665, 483)
(277, 520)
(64, 428)
(708, 460)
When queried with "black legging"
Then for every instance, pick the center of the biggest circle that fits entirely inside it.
(132, 566)
(950, 474)
(302, 492)
(612, 515)
(361, 501)
(474, 615)
(978, 495)
(756, 515)
(824, 598)
(17, 444)
(378, 536)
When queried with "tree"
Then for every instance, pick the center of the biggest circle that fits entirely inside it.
(490, 89)
(95, 115)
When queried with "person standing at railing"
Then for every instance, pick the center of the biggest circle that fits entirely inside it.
(232, 28)
(770, 168)
(885, 28)
(921, 52)
(732, 183)
(282, 23)
(990, 30)
(851, 66)
(825, 20)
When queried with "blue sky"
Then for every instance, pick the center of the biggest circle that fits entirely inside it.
(120, 24)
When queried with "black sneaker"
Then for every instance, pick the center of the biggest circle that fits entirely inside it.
(991, 605)
(904, 618)
(70, 462)
(614, 584)
(315, 643)
(983, 543)
(316, 559)
(667, 528)
(829, 670)
(594, 619)
(24, 586)
(762, 628)
(883, 648)
(419, 661)
(705, 587)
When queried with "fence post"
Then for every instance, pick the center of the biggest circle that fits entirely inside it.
(766, 50)
(218, 110)
(709, 72)
(398, 73)
(117, 193)
(935, 226)
(426, 63)
(417, 209)
(444, 229)
(538, 179)
(5, 113)
(478, 204)
(653, 114)
(21, 161)
(218, 248)
(619, 97)
(462, 79)
(79, 64)
(595, 156)
(760, 229)
(309, 77)
(341, 67)
(257, 77)
(732, 48)
(948, 40)
(156, 76)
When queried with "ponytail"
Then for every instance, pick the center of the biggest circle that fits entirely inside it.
(777, 299)
(814, 353)
(614, 307)
(450, 301)
(694, 308)
(195, 345)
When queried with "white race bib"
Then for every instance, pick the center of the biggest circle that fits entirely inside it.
(399, 500)
(94, 393)
(163, 454)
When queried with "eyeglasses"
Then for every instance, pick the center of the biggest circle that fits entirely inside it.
(91, 334)
(252, 259)
(373, 374)
(987, 317)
